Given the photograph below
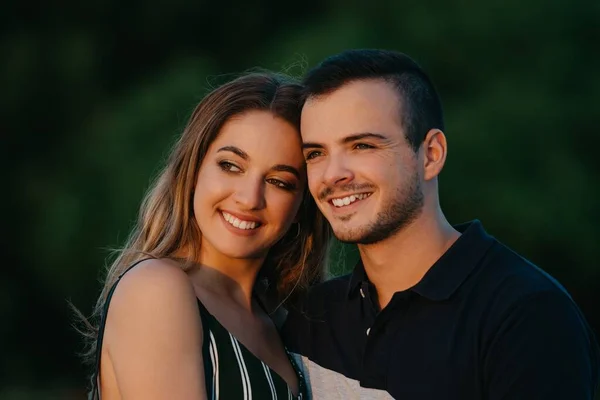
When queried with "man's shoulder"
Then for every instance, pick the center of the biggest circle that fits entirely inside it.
(508, 284)
(506, 273)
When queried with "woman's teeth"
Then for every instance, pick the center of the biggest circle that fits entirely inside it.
(344, 201)
(238, 223)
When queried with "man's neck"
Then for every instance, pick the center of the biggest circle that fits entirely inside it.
(400, 262)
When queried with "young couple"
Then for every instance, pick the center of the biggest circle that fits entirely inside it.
(238, 224)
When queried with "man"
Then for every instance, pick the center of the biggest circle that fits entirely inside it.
(432, 311)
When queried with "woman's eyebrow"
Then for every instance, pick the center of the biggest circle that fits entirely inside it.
(235, 150)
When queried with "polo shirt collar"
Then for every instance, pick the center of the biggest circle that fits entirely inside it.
(450, 270)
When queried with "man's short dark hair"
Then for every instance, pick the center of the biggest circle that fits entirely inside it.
(421, 108)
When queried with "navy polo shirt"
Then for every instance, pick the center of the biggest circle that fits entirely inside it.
(483, 323)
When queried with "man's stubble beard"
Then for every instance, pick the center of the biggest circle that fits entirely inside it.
(401, 211)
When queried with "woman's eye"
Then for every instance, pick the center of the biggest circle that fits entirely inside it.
(281, 184)
(312, 154)
(229, 167)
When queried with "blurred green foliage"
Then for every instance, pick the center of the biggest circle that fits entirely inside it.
(94, 93)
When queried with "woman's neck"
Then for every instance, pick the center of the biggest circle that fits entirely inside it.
(228, 277)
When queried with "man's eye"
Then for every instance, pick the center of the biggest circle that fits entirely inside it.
(312, 154)
(229, 167)
(362, 146)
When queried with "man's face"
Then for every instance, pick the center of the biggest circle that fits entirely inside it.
(363, 174)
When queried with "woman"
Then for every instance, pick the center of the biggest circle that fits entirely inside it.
(230, 209)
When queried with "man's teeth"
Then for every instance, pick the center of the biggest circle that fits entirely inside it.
(344, 201)
(238, 223)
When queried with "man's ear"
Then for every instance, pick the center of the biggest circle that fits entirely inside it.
(435, 149)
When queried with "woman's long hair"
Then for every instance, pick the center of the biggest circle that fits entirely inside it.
(166, 223)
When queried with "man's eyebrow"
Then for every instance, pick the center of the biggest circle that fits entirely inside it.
(365, 135)
(347, 139)
(286, 168)
(235, 150)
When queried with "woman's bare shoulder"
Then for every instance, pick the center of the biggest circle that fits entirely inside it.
(155, 276)
(154, 333)
(154, 291)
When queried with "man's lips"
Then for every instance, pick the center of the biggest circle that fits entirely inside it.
(348, 199)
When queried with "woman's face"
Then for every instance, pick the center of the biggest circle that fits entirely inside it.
(249, 185)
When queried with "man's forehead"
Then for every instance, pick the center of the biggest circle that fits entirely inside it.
(362, 90)
(360, 106)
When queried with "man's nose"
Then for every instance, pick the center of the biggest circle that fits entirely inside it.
(337, 171)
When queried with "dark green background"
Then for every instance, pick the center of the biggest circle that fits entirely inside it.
(93, 94)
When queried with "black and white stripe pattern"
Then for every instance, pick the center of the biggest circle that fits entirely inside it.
(233, 372)
(214, 359)
(269, 380)
(243, 370)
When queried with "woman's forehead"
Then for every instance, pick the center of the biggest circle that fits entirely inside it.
(261, 136)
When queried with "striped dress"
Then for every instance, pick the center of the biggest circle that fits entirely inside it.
(231, 371)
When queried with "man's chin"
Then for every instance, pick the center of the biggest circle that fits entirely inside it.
(351, 235)
(362, 235)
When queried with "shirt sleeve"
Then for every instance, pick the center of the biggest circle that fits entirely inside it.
(542, 349)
